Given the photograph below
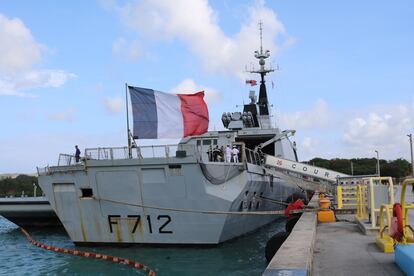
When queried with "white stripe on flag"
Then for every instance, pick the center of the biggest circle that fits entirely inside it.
(169, 115)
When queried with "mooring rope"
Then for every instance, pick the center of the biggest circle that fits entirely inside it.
(114, 259)
(275, 201)
(210, 212)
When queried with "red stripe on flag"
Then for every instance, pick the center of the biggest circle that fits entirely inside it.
(195, 113)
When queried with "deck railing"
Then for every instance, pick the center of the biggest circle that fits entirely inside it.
(66, 160)
(141, 152)
(43, 170)
(249, 156)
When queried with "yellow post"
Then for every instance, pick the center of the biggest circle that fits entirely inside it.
(339, 196)
(361, 202)
(364, 202)
(387, 209)
(405, 207)
(358, 197)
(358, 202)
(384, 241)
(372, 202)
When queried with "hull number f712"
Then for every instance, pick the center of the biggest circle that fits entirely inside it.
(161, 222)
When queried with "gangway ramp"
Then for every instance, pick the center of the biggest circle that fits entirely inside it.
(305, 172)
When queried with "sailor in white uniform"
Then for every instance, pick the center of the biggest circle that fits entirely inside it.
(235, 153)
(228, 154)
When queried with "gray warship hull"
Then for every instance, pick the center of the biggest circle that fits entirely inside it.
(173, 200)
(186, 195)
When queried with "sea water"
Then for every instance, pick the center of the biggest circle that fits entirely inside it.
(241, 256)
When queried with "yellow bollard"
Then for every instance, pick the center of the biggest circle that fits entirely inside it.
(339, 196)
(324, 203)
(326, 214)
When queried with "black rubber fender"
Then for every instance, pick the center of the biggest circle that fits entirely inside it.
(291, 222)
(273, 245)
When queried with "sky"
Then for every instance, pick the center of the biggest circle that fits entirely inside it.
(345, 80)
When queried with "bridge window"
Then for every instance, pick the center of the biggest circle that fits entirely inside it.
(206, 142)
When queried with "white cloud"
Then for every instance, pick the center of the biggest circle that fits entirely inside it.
(195, 24)
(382, 129)
(18, 49)
(318, 115)
(11, 85)
(68, 115)
(19, 54)
(112, 105)
(188, 86)
(329, 132)
(127, 50)
(308, 147)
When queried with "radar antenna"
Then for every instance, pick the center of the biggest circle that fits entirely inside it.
(261, 56)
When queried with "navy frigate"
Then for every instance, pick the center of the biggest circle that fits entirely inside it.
(178, 194)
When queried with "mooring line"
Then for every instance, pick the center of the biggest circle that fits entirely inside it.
(242, 213)
(114, 259)
(275, 201)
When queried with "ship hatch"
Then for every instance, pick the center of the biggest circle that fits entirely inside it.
(87, 192)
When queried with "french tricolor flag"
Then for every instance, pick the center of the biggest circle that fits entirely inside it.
(162, 115)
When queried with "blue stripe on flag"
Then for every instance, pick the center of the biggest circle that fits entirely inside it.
(144, 111)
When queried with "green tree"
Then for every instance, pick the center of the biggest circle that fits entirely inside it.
(365, 166)
(15, 186)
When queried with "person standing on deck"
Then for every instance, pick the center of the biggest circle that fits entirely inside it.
(221, 154)
(228, 154)
(235, 153)
(77, 154)
(210, 154)
(216, 153)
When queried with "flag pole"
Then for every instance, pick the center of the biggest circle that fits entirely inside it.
(127, 117)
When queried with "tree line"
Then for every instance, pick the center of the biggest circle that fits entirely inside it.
(398, 168)
(15, 186)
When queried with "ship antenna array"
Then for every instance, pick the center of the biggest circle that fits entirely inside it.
(261, 36)
(261, 56)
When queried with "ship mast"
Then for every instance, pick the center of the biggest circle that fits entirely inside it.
(261, 56)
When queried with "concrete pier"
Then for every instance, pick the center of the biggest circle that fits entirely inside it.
(338, 248)
(295, 255)
(342, 249)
